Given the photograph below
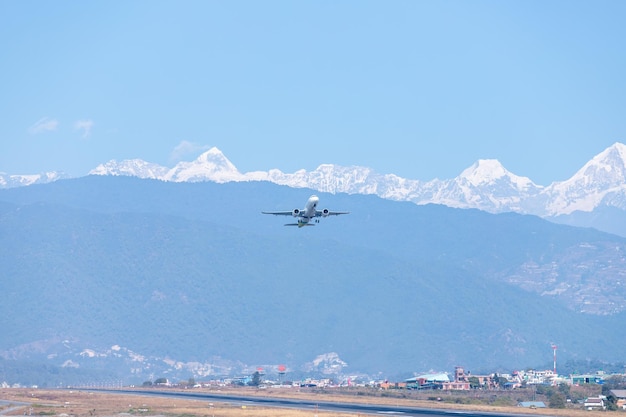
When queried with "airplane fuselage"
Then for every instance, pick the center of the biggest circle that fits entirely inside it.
(309, 211)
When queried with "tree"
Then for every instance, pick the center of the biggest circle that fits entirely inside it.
(256, 379)
(474, 382)
(557, 400)
(160, 381)
(500, 380)
(613, 382)
(611, 402)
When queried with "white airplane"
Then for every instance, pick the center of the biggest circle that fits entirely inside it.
(308, 213)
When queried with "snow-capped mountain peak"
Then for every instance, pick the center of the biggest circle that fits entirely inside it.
(130, 167)
(600, 181)
(11, 181)
(211, 165)
(620, 148)
(216, 157)
(489, 171)
(609, 164)
(485, 185)
(484, 171)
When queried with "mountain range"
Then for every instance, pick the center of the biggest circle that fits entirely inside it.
(595, 196)
(142, 277)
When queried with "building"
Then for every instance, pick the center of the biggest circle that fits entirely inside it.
(427, 381)
(455, 386)
(533, 376)
(587, 379)
(620, 397)
(484, 381)
(594, 403)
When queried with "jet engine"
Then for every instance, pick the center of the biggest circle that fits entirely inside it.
(295, 212)
(325, 213)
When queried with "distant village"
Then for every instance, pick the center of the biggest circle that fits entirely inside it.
(609, 389)
(544, 381)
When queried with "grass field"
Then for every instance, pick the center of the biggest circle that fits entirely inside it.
(64, 403)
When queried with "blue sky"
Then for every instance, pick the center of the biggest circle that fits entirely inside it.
(421, 89)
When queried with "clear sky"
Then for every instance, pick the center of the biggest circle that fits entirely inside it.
(421, 89)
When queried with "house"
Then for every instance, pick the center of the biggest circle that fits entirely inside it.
(534, 377)
(457, 386)
(594, 403)
(620, 397)
(484, 381)
(427, 381)
(392, 385)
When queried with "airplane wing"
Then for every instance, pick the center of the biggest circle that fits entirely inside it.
(279, 213)
(325, 212)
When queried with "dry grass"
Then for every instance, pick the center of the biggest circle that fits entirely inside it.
(82, 403)
(78, 403)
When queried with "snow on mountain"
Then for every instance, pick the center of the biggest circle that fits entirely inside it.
(491, 171)
(352, 180)
(600, 181)
(486, 185)
(131, 167)
(212, 165)
(11, 181)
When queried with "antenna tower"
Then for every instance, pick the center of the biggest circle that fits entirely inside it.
(554, 350)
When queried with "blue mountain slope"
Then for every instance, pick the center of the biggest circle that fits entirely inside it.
(192, 271)
(395, 225)
(607, 218)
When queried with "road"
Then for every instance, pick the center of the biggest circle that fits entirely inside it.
(376, 409)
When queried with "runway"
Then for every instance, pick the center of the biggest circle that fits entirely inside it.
(336, 406)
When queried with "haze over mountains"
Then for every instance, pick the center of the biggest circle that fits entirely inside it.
(595, 196)
(139, 277)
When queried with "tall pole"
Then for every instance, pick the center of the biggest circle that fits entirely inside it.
(554, 349)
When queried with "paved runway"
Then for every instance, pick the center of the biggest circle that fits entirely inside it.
(374, 409)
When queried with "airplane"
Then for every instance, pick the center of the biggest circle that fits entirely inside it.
(308, 213)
